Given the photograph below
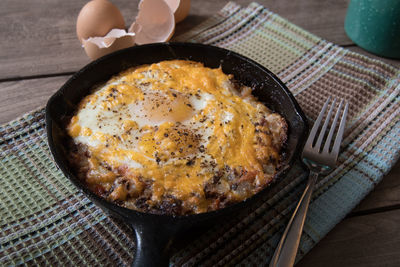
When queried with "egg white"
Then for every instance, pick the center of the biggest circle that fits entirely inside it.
(98, 119)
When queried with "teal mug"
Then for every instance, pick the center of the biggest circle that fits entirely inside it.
(375, 26)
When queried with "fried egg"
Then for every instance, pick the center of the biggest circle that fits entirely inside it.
(167, 129)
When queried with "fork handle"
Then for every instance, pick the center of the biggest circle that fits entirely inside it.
(286, 251)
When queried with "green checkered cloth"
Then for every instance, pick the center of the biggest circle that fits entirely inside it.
(45, 220)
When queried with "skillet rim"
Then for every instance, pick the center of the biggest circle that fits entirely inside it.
(130, 213)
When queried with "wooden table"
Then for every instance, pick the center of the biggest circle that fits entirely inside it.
(39, 51)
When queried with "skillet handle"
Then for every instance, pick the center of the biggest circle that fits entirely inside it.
(152, 244)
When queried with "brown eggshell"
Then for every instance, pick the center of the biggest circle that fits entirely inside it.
(154, 23)
(94, 52)
(97, 18)
(180, 8)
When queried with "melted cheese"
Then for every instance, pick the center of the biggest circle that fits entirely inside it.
(175, 123)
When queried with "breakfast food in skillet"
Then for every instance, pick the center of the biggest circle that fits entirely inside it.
(175, 137)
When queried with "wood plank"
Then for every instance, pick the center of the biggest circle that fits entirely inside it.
(371, 240)
(18, 97)
(38, 37)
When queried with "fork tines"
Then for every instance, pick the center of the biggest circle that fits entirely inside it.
(314, 142)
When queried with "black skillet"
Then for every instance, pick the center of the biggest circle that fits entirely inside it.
(154, 233)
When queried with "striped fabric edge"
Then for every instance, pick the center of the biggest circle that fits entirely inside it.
(34, 241)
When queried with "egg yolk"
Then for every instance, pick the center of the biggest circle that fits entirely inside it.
(158, 107)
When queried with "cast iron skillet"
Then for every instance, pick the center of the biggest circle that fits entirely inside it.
(154, 233)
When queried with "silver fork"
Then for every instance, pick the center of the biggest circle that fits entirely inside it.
(319, 162)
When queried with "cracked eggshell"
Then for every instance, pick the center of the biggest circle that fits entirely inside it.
(180, 8)
(97, 18)
(94, 52)
(154, 23)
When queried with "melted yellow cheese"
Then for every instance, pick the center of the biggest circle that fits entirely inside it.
(175, 123)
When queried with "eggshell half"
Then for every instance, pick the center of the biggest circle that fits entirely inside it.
(180, 8)
(154, 23)
(97, 18)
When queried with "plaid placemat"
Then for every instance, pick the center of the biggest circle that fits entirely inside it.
(45, 220)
